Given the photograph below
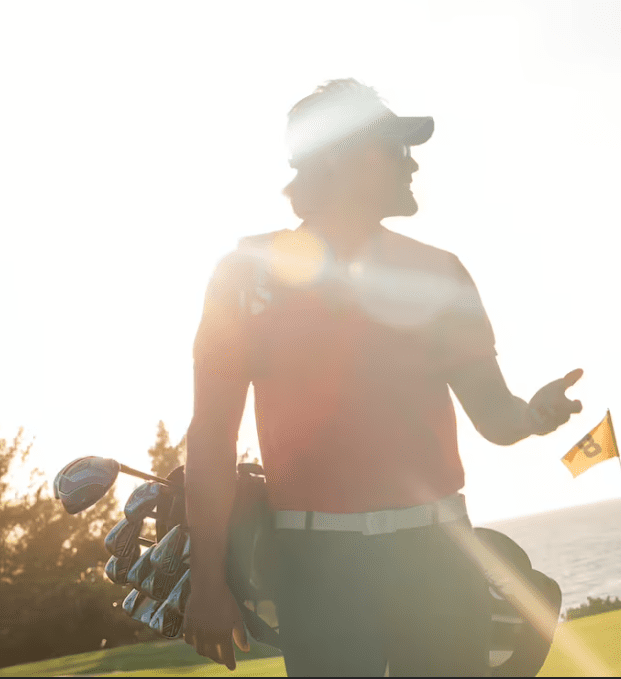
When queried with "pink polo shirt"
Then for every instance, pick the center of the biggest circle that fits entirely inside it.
(349, 367)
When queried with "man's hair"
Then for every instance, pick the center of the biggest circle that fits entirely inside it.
(311, 142)
(345, 89)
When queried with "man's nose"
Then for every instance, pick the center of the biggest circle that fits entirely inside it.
(413, 165)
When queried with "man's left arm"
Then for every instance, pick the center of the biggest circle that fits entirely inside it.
(466, 344)
(503, 418)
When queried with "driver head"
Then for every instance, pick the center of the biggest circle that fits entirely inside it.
(83, 482)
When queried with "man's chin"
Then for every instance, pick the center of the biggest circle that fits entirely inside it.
(404, 206)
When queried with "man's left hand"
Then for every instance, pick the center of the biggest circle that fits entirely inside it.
(549, 408)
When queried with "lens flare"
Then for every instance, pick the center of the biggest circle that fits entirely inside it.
(297, 258)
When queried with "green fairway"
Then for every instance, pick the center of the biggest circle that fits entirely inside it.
(161, 658)
(600, 634)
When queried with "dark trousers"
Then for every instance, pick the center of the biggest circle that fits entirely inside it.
(348, 604)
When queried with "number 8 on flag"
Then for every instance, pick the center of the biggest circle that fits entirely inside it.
(598, 445)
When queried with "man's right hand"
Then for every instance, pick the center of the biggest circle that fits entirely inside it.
(212, 622)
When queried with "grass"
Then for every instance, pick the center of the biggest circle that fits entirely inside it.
(160, 658)
(601, 634)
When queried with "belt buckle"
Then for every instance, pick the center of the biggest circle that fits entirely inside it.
(378, 523)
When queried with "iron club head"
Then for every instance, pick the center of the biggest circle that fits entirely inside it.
(185, 555)
(145, 612)
(158, 586)
(178, 597)
(168, 553)
(132, 601)
(167, 622)
(122, 539)
(144, 500)
(117, 568)
(141, 569)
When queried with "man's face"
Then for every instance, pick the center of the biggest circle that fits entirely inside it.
(385, 177)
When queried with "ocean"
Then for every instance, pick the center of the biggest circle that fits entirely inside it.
(579, 547)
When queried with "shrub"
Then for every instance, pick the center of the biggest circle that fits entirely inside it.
(594, 606)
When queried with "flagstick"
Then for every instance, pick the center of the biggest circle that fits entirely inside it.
(614, 438)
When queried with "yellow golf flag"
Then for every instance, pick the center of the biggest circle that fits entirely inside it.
(598, 445)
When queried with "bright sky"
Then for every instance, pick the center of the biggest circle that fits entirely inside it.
(140, 140)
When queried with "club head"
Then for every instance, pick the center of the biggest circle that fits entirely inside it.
(141, 569)
(178, 597)
(158, 586)
(171, 510)
(122, 539)
(167, 555)
(132, 602)
(185, 554)
(167, 622)
(83, 482)
(143, 501)
(145, 612)
(56, 489)
(117, 568)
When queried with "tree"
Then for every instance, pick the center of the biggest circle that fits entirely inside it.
(164, 457)
(55, 597)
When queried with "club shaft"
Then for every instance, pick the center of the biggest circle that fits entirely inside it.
(148, 477)
(145, 543)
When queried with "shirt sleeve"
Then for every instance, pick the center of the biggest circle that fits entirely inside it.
(221, 344)
(462, 331)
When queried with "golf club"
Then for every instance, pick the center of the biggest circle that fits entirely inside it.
(117, 568)
(142, 605)
(178, 597)
(158, 586)
(143, 501)
(145, 612)
(168, 553)
(132, 601)
(56, 490)
(141, 569)
(83, 482)
(171, 509)
(185, 555)
(167, 622)
(123, 538)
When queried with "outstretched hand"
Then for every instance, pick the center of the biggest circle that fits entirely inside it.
(549, 408)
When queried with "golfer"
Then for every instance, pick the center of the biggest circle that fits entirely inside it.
(352, 336)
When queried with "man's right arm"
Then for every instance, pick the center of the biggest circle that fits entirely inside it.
(221, 383)
(210, 478)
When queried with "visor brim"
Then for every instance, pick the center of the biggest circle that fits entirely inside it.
(410, 130)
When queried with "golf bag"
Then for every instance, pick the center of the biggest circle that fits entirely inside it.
(248, 563)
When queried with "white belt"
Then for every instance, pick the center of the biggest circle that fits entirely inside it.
(449, 508)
